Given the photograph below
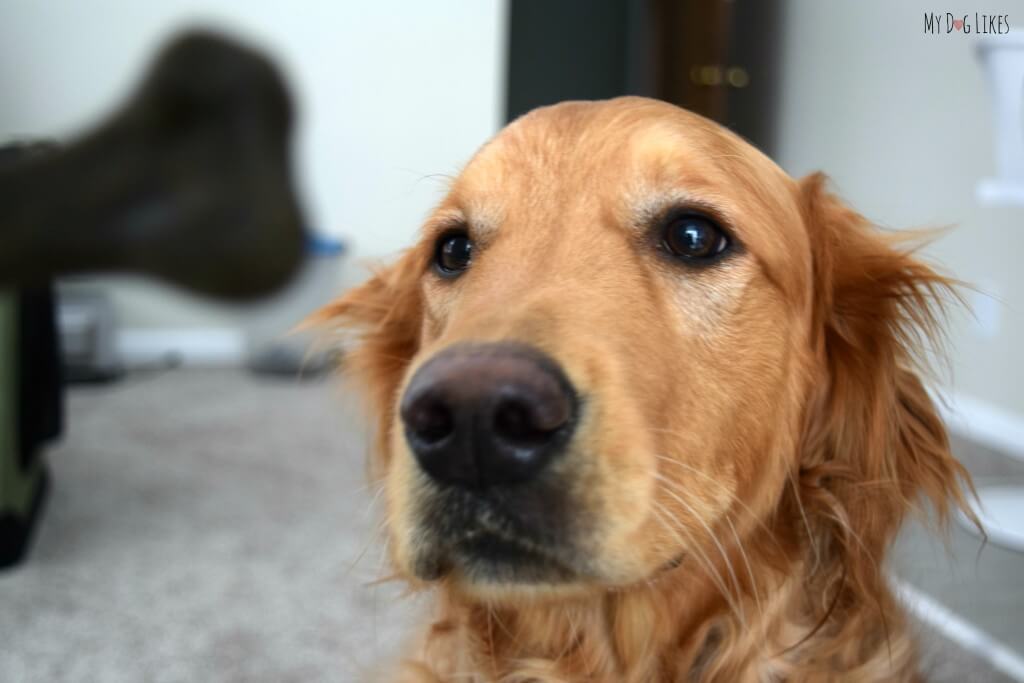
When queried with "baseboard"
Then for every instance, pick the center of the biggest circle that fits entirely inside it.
(960, 631)
(211, 347)
(983, 423)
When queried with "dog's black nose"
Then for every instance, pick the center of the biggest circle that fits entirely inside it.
(485, 414)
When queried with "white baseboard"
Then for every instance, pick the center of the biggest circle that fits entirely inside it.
(961, 632)
(983, 423)
(212, 347)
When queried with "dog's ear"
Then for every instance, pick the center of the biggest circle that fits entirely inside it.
(383, 318)
(873, 442)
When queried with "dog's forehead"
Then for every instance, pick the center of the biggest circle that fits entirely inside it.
(627, 161)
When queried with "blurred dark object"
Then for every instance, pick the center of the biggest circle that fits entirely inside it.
(717, 58)
(188, 182)
(31, 412)
(31, 400)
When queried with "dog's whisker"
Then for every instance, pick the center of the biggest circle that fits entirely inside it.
(376, 496)
(750, 569)
(739, 546)
(721, 487)
(711, 534)
(732, 527)
(379, 530)
(848, 530)
(570, 642)
(492, 615)
(376, 487)
(666, 519)
(390, 578)
(811, 537)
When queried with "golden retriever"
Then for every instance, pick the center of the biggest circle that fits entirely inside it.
(648, 411)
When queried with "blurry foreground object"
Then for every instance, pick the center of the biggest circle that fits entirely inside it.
(188, 182)
(31, 412)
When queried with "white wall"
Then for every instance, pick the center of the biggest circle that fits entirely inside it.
(902, 122)
(389, 94)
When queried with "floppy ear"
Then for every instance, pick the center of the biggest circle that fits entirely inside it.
(873, 444)
(384, 315)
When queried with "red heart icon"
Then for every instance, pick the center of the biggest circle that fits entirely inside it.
(958, 24)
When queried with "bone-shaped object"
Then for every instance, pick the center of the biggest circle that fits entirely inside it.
(189, 181)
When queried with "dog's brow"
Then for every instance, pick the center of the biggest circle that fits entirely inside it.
(443, 221)
(481, 221)
(484, 220)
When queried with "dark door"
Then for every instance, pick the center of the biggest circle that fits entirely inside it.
(715, 57)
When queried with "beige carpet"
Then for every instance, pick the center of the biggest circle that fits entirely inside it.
(208, 526)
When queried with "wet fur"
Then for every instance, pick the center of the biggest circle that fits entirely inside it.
(848, 444)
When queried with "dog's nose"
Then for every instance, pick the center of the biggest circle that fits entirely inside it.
(487, 414)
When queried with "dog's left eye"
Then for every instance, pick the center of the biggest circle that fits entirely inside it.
(453, 253)
(693, 237)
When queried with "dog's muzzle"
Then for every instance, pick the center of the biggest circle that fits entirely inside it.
(489, 426)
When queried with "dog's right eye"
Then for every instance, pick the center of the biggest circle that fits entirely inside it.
(453, 254)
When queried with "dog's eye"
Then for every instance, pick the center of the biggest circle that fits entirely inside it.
(694, 238)
(453, 254)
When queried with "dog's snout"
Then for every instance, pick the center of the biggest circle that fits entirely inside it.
(487, 414)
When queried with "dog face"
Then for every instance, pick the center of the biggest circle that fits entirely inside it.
(614, 304)
(598, 360)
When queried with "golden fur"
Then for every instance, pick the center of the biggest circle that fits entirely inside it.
(763, 419)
